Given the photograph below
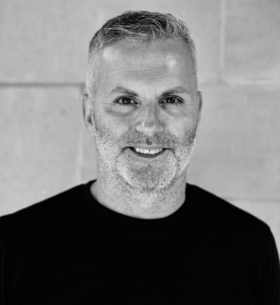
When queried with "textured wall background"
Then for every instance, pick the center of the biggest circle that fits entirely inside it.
(45, 148)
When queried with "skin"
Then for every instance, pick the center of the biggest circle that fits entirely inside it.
(147, 117)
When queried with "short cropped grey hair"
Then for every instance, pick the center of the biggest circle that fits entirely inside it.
(138, 27)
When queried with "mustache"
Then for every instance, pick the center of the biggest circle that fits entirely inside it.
(136, 138)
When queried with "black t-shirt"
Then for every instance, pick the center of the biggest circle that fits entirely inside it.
(70, 249)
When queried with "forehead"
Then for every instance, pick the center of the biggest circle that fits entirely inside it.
(155, 63)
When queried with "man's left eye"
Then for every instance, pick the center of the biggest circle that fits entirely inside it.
(172, 100)
(125, 101)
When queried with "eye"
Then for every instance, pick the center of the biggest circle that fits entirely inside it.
(125, 101)
(172, 100)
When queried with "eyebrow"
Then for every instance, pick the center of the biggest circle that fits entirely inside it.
(120, 89)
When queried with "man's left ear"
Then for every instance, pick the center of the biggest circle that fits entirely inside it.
(199, 99)
(87, 110)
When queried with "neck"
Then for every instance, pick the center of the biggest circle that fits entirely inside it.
(115, 194)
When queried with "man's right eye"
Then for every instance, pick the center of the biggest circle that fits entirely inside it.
(125, 101)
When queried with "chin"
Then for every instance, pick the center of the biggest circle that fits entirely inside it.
(155, 176)
(148, 180)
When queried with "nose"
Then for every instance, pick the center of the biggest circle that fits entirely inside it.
(149, 120)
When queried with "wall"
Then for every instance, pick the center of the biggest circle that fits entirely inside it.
(45, 147)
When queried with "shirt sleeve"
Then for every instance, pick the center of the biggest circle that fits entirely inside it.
(269, 273)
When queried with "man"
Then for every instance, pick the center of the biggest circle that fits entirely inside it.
(139, 234)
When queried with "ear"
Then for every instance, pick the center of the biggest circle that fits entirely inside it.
(87, 111)
(199, 99)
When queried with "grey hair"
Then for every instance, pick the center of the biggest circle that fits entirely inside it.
(138, 27)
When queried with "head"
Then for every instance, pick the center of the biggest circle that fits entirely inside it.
(142, 104)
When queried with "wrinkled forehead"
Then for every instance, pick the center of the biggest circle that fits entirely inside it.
(159, 53)
(160, 61)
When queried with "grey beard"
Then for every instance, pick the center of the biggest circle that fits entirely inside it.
(141, 175)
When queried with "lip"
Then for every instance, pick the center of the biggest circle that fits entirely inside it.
(134, 154)
(148, 147)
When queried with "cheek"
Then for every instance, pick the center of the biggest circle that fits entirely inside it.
(181, 127)
(114, 124)
(122, 122)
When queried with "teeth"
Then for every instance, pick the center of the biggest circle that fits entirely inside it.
(148, 151)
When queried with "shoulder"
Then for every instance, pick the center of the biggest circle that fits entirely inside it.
(38, 217)
(224, 216)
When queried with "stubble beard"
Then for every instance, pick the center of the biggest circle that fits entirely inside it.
(144, 176)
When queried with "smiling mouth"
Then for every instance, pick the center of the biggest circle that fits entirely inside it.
(147, 153)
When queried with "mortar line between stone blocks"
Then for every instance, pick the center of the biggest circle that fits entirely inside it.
(222, 39)
(40, 85)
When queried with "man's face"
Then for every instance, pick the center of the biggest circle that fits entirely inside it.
(145, 113)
